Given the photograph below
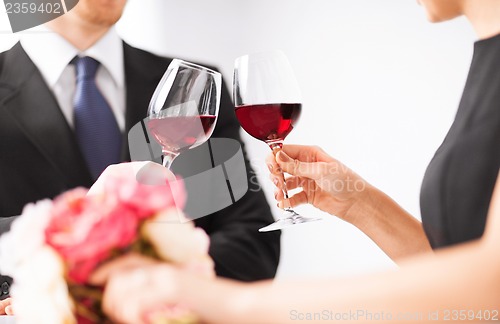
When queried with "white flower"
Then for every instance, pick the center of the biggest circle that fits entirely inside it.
(40, 293)
(25, 238)
(174, 238)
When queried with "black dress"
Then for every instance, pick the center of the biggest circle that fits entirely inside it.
(459, 181)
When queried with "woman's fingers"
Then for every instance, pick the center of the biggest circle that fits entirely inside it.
(314, 170)
(109, 305)
(276, 180)
(147, 289)
(278, 194)
(307, 153)
(121, 284)
(129, 261)
(299, 198)
(291, 184)
(301, 153)
(296, 182)
(273, 166)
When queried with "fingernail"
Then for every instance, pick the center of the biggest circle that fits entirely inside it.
(275, 181)
(283, 157)
(275, 195)
(270, 166)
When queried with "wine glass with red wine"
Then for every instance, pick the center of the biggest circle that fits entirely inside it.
(268, 105)
(184, 108)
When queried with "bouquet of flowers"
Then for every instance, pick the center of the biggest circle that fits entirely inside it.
(54, 246)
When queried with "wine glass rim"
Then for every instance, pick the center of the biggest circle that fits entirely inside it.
(195, 66)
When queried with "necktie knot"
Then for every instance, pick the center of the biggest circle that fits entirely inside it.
(86, 68)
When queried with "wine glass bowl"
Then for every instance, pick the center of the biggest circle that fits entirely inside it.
(269, 123)
(268, 105)
(183, 110)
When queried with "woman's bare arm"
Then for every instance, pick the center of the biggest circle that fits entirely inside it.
(463, 278)
(458, 283)
(329, 185)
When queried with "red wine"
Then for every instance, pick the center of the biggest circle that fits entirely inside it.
(269, 122)
(177, 134)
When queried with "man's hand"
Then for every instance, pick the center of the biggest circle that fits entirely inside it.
(149, 173)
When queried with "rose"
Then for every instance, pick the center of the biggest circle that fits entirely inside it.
(68, 238)
(146, 187)
(147, 198)
(85, 230)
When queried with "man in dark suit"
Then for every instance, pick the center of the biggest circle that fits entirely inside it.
(40, 155)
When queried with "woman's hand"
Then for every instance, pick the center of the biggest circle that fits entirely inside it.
(325, 182)
(334, 188)
(139, 289)
(140, 294)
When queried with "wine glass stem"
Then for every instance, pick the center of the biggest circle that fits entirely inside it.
(168, 158)
(276, 147)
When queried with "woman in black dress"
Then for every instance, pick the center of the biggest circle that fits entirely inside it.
(460, 282)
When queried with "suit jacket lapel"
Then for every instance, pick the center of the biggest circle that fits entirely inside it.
(35, 110)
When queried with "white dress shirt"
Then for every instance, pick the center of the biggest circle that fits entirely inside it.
(52, 54)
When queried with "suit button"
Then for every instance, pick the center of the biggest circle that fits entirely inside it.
(5, 288)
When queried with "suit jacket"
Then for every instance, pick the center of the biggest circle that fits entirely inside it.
(40, 158)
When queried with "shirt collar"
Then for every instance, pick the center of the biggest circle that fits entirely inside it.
(109, 52)
(51, 53)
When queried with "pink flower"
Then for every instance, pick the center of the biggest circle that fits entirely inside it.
(79, 230)
(146, 187)
(148, 192)
(85, 230)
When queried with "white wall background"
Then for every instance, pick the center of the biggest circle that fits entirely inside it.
(380, 86)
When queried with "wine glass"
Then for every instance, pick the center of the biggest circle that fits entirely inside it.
(184, 108)
(268, 105)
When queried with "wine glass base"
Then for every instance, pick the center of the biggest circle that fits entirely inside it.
(289, 218)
